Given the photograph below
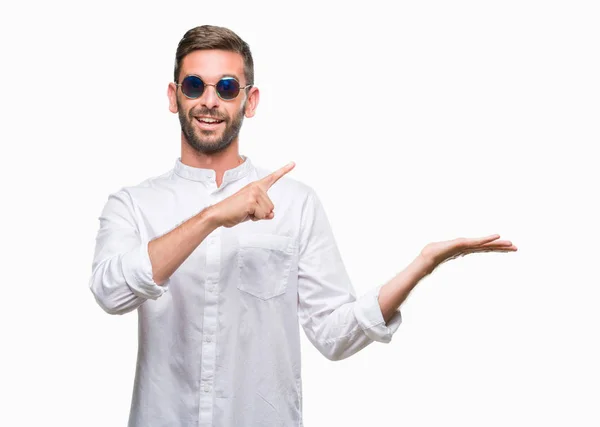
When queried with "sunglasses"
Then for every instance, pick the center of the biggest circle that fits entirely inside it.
(227, 88)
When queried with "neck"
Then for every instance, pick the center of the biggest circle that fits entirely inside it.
(219, 162)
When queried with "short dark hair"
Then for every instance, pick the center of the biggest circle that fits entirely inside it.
(213, 37)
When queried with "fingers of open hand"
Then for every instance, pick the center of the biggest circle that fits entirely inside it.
(484, 244)
(499, 246)
(468, 247)
(475, 241)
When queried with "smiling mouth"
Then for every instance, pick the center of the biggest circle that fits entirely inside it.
(208, 124)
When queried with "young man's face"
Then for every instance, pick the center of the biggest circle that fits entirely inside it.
(211, 66)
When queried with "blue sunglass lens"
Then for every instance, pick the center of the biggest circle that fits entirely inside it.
(192, 87)
(228, 88)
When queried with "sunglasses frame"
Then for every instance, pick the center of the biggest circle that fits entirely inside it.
(215, 86)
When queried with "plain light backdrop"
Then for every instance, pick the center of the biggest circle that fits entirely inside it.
(415, 121)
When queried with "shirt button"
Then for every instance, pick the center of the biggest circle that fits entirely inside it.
(208, 339)
(206, 388)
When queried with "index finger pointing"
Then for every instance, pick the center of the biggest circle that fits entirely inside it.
(274, 177)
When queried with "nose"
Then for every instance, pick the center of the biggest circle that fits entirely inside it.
(209, 98)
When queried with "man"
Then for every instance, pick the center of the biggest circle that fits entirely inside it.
(223, 260)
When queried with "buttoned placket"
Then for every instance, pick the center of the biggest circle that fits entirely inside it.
(210, 320)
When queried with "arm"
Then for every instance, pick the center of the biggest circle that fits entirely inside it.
(394, 292)
(168, 251)
(434, 254)
(335, 321)
(127, 270)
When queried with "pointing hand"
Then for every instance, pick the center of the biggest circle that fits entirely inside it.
(250, 202)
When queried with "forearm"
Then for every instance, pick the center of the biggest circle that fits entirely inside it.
(170, 250)
(394, 292)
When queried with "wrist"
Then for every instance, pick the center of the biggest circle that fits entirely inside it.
(424, 264)
(211, 216)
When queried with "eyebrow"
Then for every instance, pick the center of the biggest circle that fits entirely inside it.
(220, 77)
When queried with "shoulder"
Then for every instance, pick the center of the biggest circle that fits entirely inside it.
(147, 188)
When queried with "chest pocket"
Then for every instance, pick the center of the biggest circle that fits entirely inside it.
(264, 264)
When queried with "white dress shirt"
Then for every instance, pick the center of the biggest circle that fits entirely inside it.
(219, 342)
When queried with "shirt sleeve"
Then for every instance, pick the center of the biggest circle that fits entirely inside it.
(334, 320)
(122, 277)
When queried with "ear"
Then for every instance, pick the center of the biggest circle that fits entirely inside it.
(252, 101)
(172, 95)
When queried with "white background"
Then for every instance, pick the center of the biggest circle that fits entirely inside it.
(414, 121)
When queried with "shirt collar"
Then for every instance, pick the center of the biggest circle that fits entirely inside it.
(208, 175)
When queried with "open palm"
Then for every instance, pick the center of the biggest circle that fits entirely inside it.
(437, 253)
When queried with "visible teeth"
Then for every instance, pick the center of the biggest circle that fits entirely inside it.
(209, 120)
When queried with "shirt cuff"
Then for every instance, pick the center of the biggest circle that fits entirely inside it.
(137, 269)
(369, 317)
